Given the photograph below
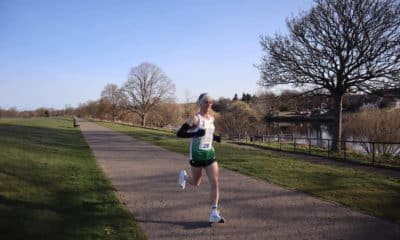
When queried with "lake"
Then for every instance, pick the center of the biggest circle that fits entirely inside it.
(320, 132)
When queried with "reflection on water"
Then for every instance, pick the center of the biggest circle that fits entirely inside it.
(313, 133)
(316, 130)
(321, 135)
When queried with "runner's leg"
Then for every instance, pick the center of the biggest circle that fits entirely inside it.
(195, 179)
(212, 173)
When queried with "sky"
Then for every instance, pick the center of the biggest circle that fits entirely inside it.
(59, 53)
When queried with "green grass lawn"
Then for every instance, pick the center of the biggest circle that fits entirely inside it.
(51, 187)
(392, 162)
(367, 192)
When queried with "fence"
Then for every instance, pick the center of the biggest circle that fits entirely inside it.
(375, 153)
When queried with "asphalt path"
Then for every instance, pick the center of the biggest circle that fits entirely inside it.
(145, 177)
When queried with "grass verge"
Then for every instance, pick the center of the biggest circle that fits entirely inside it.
(52, 188)
(392, 162)
(367, 192)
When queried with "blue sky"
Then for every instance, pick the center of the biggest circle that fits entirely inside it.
(56, 53)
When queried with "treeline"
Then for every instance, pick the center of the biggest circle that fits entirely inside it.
(243, 115)
(39, 112)
(264, 103)
(164, 115)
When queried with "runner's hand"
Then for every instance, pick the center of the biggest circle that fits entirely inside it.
(217, 138)
(199, 133)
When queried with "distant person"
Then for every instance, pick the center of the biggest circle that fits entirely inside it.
(74, 121)
(200, 128)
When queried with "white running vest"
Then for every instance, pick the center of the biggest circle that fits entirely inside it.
(201, 147)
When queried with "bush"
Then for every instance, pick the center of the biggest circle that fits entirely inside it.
(376, 125)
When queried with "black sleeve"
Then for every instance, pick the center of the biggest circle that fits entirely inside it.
(183, 132)
(217, 138)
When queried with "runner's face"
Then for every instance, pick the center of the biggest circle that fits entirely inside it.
(207, 104)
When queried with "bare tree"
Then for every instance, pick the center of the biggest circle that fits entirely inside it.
(339, 46)
(114, 96)
(239, 119)
(167, 113)
(189, 106)
(267, 103)
(11, 112)
(89, 109)
(146, 87)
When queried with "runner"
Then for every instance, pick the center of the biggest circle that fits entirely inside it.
(200, 128)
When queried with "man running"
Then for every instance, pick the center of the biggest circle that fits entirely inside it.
(200, 128)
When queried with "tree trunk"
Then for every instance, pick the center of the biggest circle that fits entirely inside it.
(114, 114)
(337, 129)
(143, 117)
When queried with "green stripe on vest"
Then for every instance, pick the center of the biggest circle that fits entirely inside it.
(202, 155)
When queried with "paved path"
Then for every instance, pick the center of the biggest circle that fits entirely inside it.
(146, 179)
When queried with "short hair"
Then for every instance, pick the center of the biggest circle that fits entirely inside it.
(202, 98)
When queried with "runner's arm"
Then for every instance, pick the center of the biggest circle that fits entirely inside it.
(183, 132)
(190, 122)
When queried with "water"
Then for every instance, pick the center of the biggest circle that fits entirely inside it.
(316, 130)
(321, 132)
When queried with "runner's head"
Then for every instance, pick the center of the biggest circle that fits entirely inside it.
(204, 100)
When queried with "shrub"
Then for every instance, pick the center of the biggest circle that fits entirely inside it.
(376, 125)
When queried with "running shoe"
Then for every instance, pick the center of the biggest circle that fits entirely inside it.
(215, 217)
(181, 179)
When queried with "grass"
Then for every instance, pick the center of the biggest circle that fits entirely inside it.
(52, 188)
(350, 156)
(363, 191)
